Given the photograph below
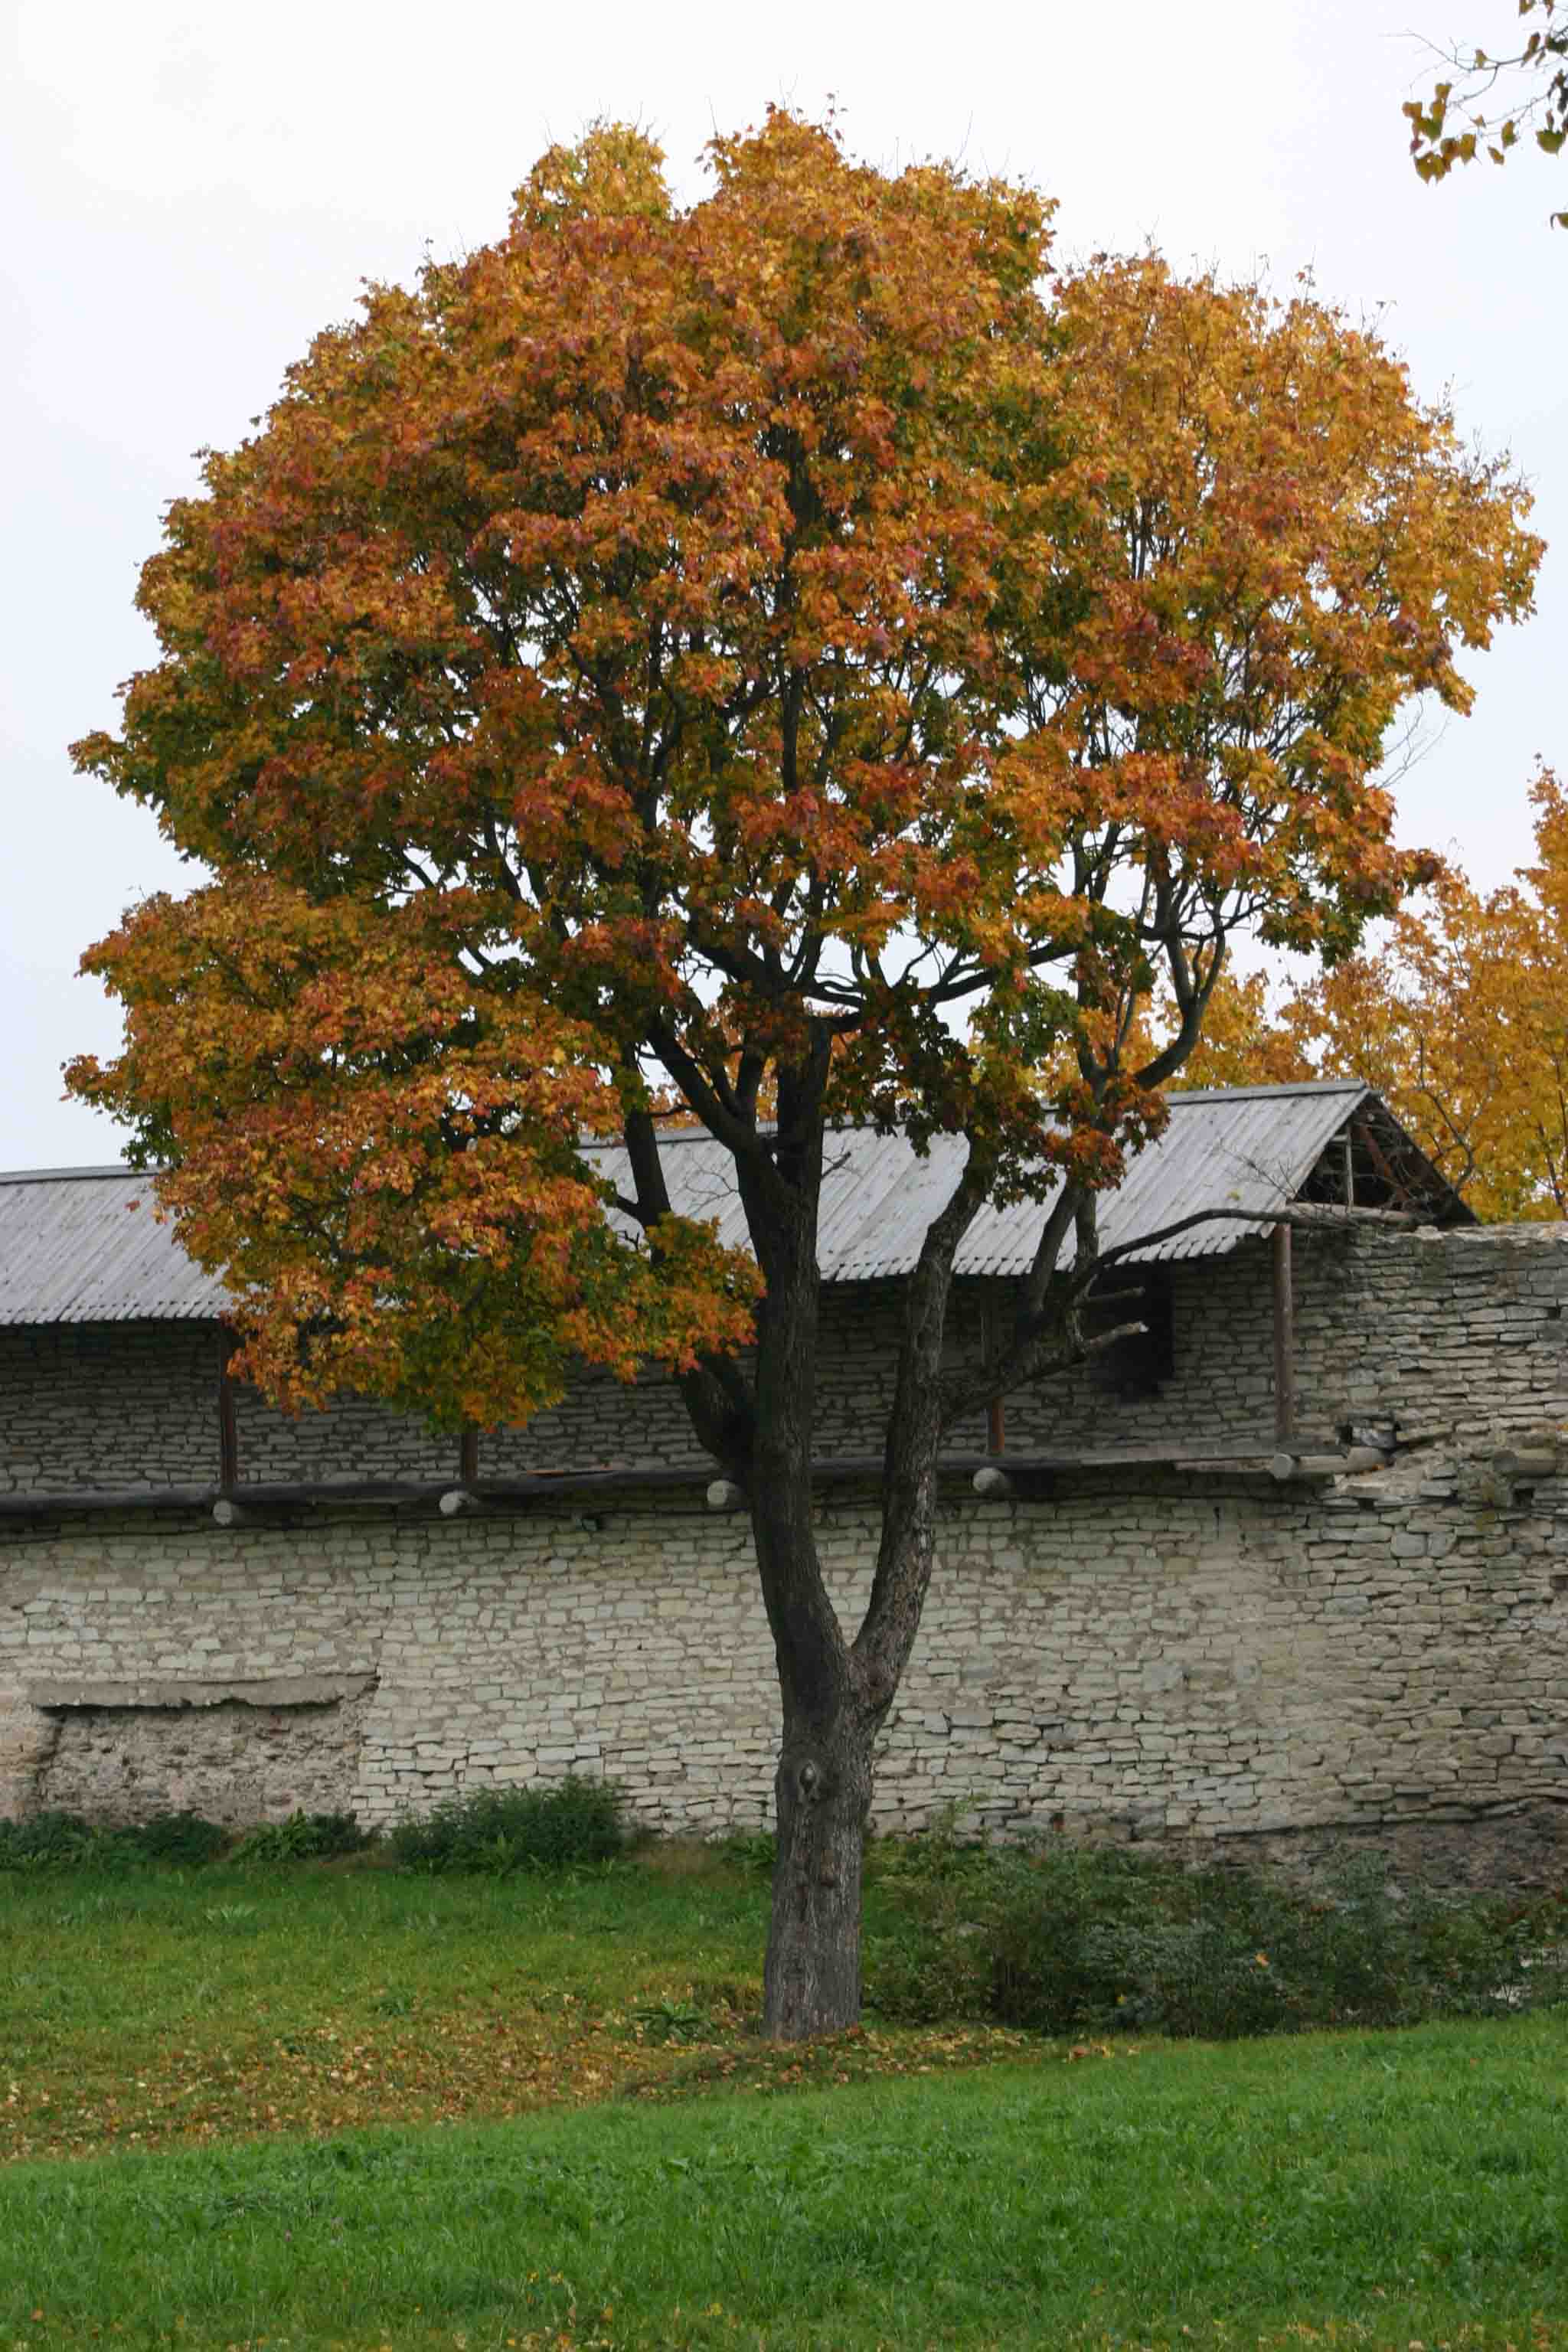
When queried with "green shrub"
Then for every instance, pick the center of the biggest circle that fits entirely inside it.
(1070, 1939)
(755, 1851)
(182, 1838)
(503, 1830)
(671, 2020)
(59, 1841)
(51, 1841)
(934, 1905)
(303, 1837)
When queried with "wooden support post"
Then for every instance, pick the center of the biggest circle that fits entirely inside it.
(1284, 1337)
(227, 1432)
(468, 1457)
(996, 1411)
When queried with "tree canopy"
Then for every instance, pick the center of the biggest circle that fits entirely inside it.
(673, 648)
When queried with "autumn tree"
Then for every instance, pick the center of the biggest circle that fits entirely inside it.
(1458, 1015)
(1488, 98)
(786, 652)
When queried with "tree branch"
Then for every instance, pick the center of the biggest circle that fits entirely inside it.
(1327, 1216)
(905, 1552)
(719, 1404)
(727, 1125)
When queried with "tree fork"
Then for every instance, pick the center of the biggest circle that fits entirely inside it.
(823, 1787)
(823, 1784)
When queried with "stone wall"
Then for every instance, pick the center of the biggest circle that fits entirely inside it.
(109, 1405)
(1179, 1656)
(1464, 1330)
(1205, 1658)
(232, 1756)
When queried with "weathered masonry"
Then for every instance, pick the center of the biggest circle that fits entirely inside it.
(1295, 1566)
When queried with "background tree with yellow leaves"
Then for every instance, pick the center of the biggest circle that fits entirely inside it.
(1460, 1019)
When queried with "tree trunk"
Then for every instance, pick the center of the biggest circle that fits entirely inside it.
(811, 1982)
(834, 1697)
(812, 1977)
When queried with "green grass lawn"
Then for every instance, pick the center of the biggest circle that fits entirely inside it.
(157, 2008)
(353, 2107)
(161, 2009)
(1377, 2189)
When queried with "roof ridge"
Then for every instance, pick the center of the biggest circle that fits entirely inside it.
(58, 1175)
(100, 1170)
(1251, 1094)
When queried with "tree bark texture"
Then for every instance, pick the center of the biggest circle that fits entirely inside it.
(823, 1785)
(811, 1980)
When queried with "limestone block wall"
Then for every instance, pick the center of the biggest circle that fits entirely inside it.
(354, 1438)
(1201, 1659)
(109, 1405)
(1221, 1387)
(232, 1759)
(1158, 1655)
(1466, 1328)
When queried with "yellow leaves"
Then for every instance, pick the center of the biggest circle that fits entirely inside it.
(1460, 1019)
(611, 174)
(1242, 1043)
(1535, 76)
(383, 1159)
(456, 2053)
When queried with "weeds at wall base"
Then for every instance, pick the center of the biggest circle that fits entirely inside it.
(1065, 1939)
(1054, 1938)
(493, 1832)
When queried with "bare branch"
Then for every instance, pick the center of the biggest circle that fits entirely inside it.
(1328, 1216)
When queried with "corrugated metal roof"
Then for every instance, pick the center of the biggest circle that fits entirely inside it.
(1252, 1145)
(73, 1250)
(1255, 1146)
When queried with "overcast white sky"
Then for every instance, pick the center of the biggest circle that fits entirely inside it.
(193, 190)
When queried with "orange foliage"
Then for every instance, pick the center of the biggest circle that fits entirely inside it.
(708, 657)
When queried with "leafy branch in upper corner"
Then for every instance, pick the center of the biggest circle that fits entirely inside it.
(1530, 85)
